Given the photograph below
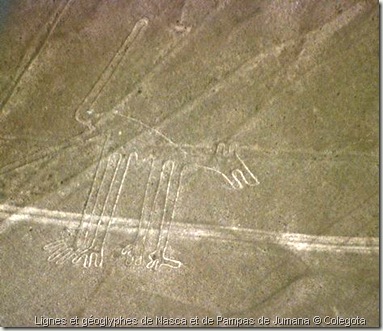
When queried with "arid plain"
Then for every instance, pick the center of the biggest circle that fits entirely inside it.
(189, 159)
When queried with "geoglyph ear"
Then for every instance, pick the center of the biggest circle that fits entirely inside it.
(233, 149)
(220, 150)
(223, 150)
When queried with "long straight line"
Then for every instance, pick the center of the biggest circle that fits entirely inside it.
(33, 51)
(10, 215)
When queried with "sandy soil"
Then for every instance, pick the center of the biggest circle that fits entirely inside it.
(238, 142)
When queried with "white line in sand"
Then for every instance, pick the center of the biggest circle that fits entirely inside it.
(10, 215)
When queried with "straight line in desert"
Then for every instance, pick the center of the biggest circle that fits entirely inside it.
(32, 52)
(10, 215)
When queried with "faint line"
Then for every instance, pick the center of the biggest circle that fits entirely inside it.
(30, 56)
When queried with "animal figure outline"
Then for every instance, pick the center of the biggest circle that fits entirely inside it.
(164, 182)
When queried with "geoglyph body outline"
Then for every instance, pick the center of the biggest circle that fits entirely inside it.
(169, 181)
(166, 181)
(236, 179)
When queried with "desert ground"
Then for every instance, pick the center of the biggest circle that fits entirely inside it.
(212, 163)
